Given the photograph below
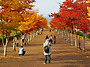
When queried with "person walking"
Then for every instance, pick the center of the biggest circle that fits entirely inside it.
(51, 39)
(50, 30)
(46, 37)
(47, 51)
(54, 39)
(37, 32)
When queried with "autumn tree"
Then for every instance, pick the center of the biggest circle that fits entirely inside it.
(32, 22)
(74, 16)
(10, 12)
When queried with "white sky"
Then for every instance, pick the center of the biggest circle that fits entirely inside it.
(46, 7)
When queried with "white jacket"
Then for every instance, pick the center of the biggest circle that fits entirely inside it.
(21, 50)
(45, 44)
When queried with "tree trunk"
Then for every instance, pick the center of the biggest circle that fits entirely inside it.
(60, 33)
(6, 38)
(34, 34)
(28, 37)
(71, 38)
(83, 42)
(5, 50)
(21, 40)
(79, 43)
(31, 36)
(6, 41)
(14, 44)
(3, 38)
(76, 39)
(25, 38)
(5, 46)
(65, 35)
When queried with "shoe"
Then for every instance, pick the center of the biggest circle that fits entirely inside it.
(44, 63)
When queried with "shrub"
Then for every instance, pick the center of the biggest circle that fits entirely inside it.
(18, 33)
(0, 40)
(69, 31)
(88, 36)
(11, 37)
(80, 33)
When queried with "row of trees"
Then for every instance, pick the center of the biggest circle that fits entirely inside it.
(72, 16)
(17, 15)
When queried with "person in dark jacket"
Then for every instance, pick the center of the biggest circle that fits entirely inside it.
(54, 39)
(47, 37)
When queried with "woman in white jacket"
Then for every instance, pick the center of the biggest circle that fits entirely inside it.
(47, 51)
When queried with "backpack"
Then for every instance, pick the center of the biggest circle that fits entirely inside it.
(46, 49)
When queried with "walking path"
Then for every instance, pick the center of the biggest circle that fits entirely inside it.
(63, 54)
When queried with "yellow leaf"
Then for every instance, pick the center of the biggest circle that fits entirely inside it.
(88, 1)
(88, 18)
(0, 0)
(88, 8)
(88, 14)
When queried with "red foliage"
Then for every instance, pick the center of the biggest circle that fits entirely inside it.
(71, 14)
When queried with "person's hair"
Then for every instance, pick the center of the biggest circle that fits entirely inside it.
(21, 46)
(51, 35)
(22, 33)
(47, 37)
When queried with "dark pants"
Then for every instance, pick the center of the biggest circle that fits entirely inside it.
(23, 40)
(54, 42)
(51, 41)
(17, 45)
(49, 58)
(22, 54)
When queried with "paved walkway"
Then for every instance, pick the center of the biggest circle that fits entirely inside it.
(63, 54)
